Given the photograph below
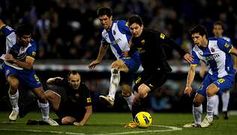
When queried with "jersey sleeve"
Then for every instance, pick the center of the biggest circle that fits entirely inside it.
(123, 27)
(9, 33)
(196, 60)
(224, 45)
(31, 51)
(86, 95)
(171, 43)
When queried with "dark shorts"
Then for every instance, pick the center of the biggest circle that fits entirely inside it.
(71, 109)
(67, 107)
(153, 80)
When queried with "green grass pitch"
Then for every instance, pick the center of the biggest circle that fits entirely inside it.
(112, 124)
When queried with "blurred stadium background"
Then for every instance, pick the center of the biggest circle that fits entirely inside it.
(68, 36)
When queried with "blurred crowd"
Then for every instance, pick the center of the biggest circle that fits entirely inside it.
(69, 29)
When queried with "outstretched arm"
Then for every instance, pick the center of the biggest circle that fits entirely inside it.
(191, 74)
(101, 54)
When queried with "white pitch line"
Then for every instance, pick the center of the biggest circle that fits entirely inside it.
(169, 129)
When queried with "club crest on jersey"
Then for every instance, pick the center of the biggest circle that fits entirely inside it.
(227, 45)
(143, 42)
(212, 50)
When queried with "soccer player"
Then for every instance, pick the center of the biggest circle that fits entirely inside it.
(150, 45)
(218, 30)
(116, 35)
(216, 54)
(18, 68)
(70, 99)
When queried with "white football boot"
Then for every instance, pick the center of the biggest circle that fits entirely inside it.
(108, 100)
(51, 122)
(13, 115)
(207, 121)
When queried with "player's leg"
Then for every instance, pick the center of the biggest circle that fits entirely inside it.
(127, 94)
(54, 99)
(32, 81)
(197, 111)
(13, 96)
(216, 107)
(116, 67)
(225, 102)
(44, 106)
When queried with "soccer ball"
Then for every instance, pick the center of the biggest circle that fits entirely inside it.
(143, 119)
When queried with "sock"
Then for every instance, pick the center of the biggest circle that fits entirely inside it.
(129, 100)
(225, 100)
(14, 100)
(44, 107)
(210, 106)
(216, 105)
(197, 114)
(114, 82)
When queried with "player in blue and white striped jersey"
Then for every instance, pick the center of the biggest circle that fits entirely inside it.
(117, 35)
(216, 54)
(18, 68)
(218, 30)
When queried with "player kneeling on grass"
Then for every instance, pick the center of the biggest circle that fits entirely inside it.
(70, 99)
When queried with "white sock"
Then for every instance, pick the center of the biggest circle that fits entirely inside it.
(114, 82)
(44, 107)
(14, 100)
(210, 106)
(129, 100)
(225, 100)
(197, 114)
(216, 105)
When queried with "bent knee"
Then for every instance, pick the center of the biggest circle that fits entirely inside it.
(126, 90)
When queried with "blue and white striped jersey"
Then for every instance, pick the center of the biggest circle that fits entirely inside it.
(15, 49)
(118, 36)
(216, 56)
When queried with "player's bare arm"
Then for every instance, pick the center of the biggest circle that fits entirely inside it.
(191, 74)
(102, 51)
(233, 51)
(27, 64)
(52, 80)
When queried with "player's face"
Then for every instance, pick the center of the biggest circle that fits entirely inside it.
(136, 29)
(199, 40)
(24, 40)
(74, 81)
(105, 21)
(217, 30)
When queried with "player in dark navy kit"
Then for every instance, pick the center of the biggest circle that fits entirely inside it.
(149, 44)
(18, 68)
(117, 36)
(70, 99)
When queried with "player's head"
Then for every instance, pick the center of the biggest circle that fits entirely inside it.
(199, 35)
(105, 16)
(218, 29)
(135, 25)
(24, 33)
(74, 79)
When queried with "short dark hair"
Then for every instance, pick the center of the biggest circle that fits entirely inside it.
(199, 29)
(73, 72)
(24, 29)
(104, 11)
(135, 19)
(219, 23)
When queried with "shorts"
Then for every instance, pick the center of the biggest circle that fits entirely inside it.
(153, 80)
(27, 78)
(224, 83)
(71, 109)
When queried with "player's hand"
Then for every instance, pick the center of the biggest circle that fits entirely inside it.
(8, 57)
(93, 64)
(188, 90)
(188, 57)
